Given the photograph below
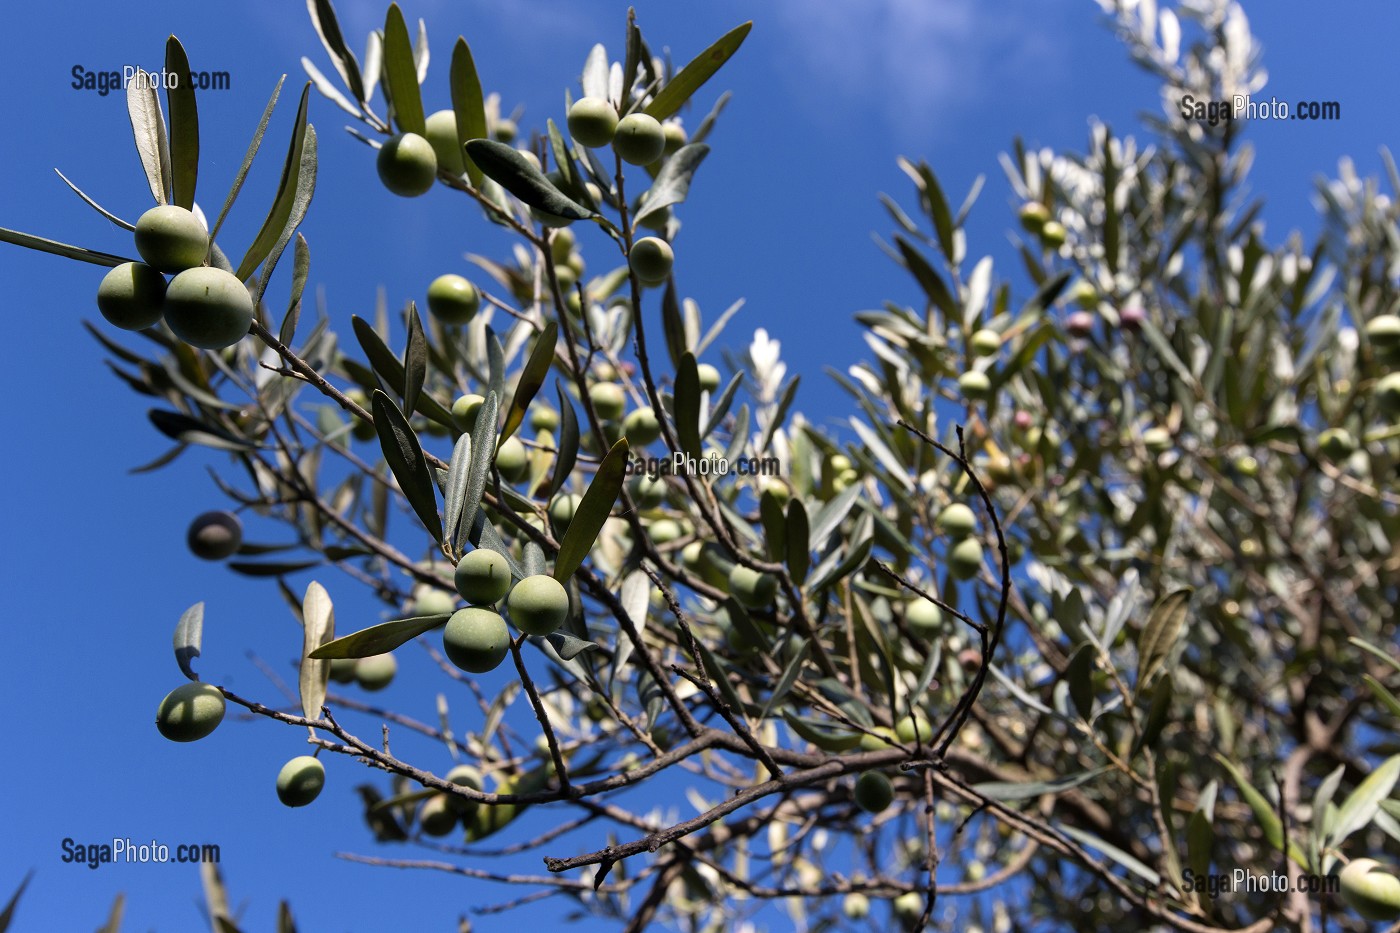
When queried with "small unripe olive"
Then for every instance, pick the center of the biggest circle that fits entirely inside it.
(171, 238)
(709, 378)
(453, 299)
(442, 136)
(132, 296)
(362, 430)
(431, 601)
(665, 530)
(1336, 444)
(561, 246)
(874, 792)
(592, 122)
(208, 308)
(880, 737)
(1370, 890)
(464, 409)
(777, 487)
(985, 342)
(641, 427)
(753, 589)
(913, 728)
(544, 418)
(467, 776)
(215, 535)
(975, 384)
(190, 712)
(436, 817)
(675, 137)
(1053, 234)
(300, 781)
(1247, 465)
(562, 509)
(957, 520)
(476, 640)
(1388, 393)
(1384, 331)
(343, 670)
(908, 907)
(1085, 294)
(376, 671)
(924, 618)
(651, 258)
(608, 400)
(1034, 215)
(407, 165)
(855, 906)
(649, 491)
(639, 139)
(538, 604)
(505, 130)
(512, 460)
(965, 558)
(482, 577)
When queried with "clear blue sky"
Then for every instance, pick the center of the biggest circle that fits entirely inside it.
(826, 95)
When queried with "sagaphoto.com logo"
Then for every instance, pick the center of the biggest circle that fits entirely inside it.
(104, 82)
(1248, 107)
(125, 851)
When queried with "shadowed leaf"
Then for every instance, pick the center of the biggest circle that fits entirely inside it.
(405, 458)
(509, 168)
(184, 125)
(467, 103)
(531, 378)
(593, 510)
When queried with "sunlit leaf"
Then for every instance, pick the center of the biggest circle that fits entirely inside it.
(699, 70)
(318, 628)
(189, 637)
(379, 639)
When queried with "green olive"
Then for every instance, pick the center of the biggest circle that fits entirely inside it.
(482, 577)
(453, 299)
(651, 259)
(190, 712)
(639, 139)
(208, 308)
(376, 671)
(171, 238)
(300, 781)
(407, 165)
(874, 792)
(132, 296)
(538, 604)
(442, 136)
(592, 122)
(476, 640)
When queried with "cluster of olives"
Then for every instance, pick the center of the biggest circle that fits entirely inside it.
(1035, 217)
(840, 473)
(638, 139)
(958, 521)
(204, 306)
(476, 638)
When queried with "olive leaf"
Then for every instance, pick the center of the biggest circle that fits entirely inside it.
(148, 129)
(280, 214)
(391, 370)
(1264, 811)
(300, 270)
(187, 430)
(184, 125)
(458, 474)
(1160, 633)
(379, 639)
(672, 183)
(189, 638)
(531, 378)
(483, 452)
(415, 359)
(799, 558)
(318, 628)
(405, 458)
(467, 103)
(29, 241)
(328, 28)
(1079, 674)
(248, 157)
(512, 171)
(687, 412)
(700, 69)
(401, 74)
(593, 510)
(568, 443)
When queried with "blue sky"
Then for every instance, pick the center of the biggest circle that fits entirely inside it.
(825, 97)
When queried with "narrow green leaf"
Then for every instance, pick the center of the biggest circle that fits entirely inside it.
(327, 89)
(1079, 674)
(189, 637)
(415, 358)
(1200, 836)
(184, 125)
(672, 325)
(635, 597)
(567, 646)
(856, 556)
(568, 443)
(672, 183)
(483, 436)
(328, 28)
(318, 628)
(7, 915)
(770, 513)
(270, 568)
(379, 639)
(687, 412)
(799, 558)
(790, 674)
(401, 74)
(248, 157)
(148, 129)
(509, 168)
(819, 735)
(421, 53)
(387, 365)
(632, 61)
(1157, 714)
(531, 378)
(1264, 811)
(1361, 805)
(779, 414)
(301, 201)
(29, 241)
(1160, 634)
(700, 69)
(114, 916)
(285, 923)
(484, 534)
(125, 225)
(1372, 649)
(1386, 698)
(1114, 853)
(187, 430)
(929, 280)
(720, 406)
(300, 270)
(458, 473)
(1007, 790)
(467, 103)
(831, 516)
(281, 209)
(405, 458)
(593, 510)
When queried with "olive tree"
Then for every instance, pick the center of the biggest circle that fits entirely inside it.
(1092, 603)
